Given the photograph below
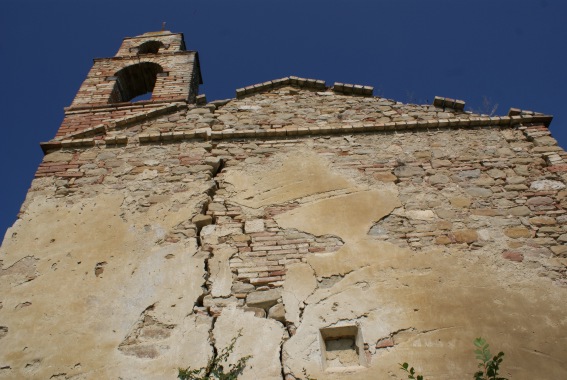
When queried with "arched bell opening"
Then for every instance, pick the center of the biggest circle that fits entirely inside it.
(150, 47)
(134, 81)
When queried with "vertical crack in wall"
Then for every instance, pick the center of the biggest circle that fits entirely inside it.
(212, 340)
(227, 230)
(201, 221)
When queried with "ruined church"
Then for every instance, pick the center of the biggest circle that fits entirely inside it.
(337, 232)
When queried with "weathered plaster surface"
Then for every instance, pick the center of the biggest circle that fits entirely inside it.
(287, 179)
(95, 272)
(300, 283)
(261, 339)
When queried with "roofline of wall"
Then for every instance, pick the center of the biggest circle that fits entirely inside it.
(208, 135)
(165, 33)
(149, 109)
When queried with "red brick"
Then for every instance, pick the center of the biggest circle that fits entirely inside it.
(277, 273)
(69, 175)
(265, 280)
(268, 238)
(384, 343)
(296, 241)
(513, 256)
(317, 249)
(557, 168)
(265, 248)
(283, 252)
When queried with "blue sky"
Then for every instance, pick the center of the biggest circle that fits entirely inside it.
(498, 52)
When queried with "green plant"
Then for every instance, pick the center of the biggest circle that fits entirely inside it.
(215, 368)
(411, 372)
(488, 367)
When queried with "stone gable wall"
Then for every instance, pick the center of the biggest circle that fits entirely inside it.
(413, 241)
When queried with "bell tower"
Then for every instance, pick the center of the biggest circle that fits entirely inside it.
(155, 64)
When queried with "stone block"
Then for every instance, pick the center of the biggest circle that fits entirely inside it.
(543, 220)
(443, 240)
(202, 220)
(539, 201)
(277, 312)
(216, 207)
(518, 232)
(408, 171)
(475, 173)
(440, 163)
(545, 141)
(546, 184)
(421, 214)
(443, 225)
(519, 187)
(385, 177)
(256, 225)
(479, 192)
(559, 250)
(496, 173)
(258, 312)
(214, 162)
(465, 236)
(242, 287)
(209, 301)
(460, 202)
(263, 299)
(519, 211)
(437, 179)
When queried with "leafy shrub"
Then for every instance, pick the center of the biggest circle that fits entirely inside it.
(411, 372)
(488, 367)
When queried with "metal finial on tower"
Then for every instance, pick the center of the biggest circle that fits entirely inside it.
(163, 26)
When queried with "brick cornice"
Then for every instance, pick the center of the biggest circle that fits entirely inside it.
(208, 134)
(144, 56)
(312, 84)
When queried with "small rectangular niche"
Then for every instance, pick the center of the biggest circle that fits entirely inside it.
(342, 348)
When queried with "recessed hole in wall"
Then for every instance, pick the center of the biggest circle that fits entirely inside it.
(342, 348)
(99, 268)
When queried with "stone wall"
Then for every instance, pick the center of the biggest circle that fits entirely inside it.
(339, 234)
